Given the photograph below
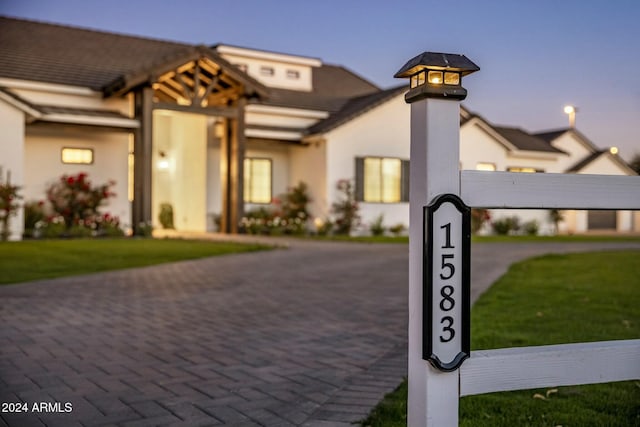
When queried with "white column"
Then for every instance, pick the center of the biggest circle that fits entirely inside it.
(435, 156)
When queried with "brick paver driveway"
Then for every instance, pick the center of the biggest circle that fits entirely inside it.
(311, 336)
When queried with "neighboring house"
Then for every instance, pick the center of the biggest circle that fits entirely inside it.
(220, 130)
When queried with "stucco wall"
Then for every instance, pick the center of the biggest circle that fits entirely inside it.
(280, 163)
(43, 147)
(12, 158)
(309, 165)
(383, 131)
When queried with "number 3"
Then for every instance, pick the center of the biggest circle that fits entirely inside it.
(448, 328)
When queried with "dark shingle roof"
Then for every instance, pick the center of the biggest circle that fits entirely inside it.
(333, 86)
(82, 57)
(354, 108)
(523, 140)
(549, 136)
(584, 162)
(75, 56)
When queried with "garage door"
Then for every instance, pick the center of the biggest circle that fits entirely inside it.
(602, 220)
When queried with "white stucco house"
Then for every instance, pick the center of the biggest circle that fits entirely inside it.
(218, 130)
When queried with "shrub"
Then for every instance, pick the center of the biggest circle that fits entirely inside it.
(376, 227)
(507, 225)
(75, 199)
(34, 217)
(294, 209)
(478, 218)
(556, 216)
(166, 216)
(345, 209)
(8, 204)
(144, 229)
(531, 228)
(287, 214)
(397, 229)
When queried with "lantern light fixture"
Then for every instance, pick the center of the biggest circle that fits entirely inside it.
(436, 75)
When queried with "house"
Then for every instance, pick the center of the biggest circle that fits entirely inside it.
(219, 130)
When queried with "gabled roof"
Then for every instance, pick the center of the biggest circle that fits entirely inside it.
(333, 86)
(52, 53)
(523, 140)
(552, 135)
(549, 136)
(598, 154)
(75, 56)
(355, 107)
(149, 74)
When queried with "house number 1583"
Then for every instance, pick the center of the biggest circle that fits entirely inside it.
(447, 303)
(446, 291)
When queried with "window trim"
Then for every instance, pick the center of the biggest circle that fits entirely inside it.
(360, 180)
(248, 189)
(268, 71)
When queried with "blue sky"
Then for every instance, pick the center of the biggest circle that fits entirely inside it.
(535, 56)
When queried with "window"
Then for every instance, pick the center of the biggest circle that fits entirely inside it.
(293, 74)
(77, 156)
(483, 166)
(257, 180)
(267, 71)
(242, 67)
(524, 169)
(382, 179)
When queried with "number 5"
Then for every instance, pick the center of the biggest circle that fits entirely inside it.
(448, 265)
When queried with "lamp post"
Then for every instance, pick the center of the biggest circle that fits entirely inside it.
(434, 94)
(571, 111)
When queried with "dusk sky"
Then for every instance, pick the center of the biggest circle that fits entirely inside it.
(535, 56)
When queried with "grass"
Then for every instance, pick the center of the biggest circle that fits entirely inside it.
(550, 300)
(45, 259)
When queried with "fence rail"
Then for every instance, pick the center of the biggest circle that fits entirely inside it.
(515, 190)
(550, 366)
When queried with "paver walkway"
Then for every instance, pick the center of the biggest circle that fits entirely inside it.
(312, 336)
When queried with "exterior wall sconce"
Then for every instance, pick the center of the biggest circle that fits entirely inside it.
(163, 163)
(436, 75)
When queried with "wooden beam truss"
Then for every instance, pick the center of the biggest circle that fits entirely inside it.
(200, 83)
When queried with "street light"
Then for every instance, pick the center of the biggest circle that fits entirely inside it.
(571, 110)
(436, 75)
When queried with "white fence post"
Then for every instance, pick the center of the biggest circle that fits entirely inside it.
(435, 134)
(435, 388)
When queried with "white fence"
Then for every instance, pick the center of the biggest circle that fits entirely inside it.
(434, 394)
(553, 365)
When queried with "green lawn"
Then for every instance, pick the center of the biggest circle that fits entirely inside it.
(550, 300)
(42, 259)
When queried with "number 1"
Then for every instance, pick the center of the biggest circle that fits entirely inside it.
(447, 228)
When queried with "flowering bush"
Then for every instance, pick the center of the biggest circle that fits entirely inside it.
(345, 209)
(34, 217)
(8, 205)
(478, 218)
(286, 215)
(76, 200)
